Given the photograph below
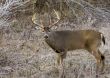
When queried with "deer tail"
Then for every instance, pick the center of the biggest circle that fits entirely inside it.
(103, 39)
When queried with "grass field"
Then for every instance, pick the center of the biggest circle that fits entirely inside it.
(24, 54)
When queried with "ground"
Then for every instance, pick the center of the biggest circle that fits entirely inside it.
(24, 53)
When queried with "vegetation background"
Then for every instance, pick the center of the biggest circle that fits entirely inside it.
(23, 52)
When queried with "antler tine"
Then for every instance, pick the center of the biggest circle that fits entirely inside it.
(58, 17)
(42, 26)
(34, 20)
(41, 22)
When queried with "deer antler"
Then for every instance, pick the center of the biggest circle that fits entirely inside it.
(38, 19)
(57, 16)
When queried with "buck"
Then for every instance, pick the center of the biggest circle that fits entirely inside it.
(67, 40)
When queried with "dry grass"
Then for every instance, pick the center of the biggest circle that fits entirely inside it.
(24, 54)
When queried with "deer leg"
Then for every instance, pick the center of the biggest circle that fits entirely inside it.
(93, 49)
(60, 58)
(100, 59)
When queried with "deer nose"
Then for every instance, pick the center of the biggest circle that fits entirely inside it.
(46, 36)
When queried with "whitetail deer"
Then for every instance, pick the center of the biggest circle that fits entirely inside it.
(66, 40)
